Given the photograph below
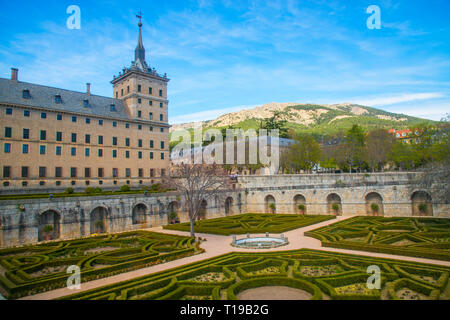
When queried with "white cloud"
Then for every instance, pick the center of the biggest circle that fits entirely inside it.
(388, 100)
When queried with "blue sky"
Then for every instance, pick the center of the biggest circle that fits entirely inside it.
(223, 56)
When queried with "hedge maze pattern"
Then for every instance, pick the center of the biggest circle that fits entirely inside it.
(324, 275)
(252, 223)
(31, 269)
(418, 237)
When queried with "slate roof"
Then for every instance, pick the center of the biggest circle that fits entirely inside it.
(11, 92)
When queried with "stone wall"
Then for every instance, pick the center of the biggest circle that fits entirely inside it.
(22, 221)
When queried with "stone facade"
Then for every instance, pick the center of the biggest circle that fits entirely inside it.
(22, 221)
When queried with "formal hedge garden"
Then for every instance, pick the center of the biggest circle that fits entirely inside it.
(36, 268)
(320, 274)
(252, 223)
(417, 237)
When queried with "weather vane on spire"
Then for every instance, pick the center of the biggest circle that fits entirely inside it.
(140, 18)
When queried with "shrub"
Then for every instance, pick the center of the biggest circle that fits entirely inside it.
(301, 207)
(48, 228)
(272, 207)
(125, 188)
(69, 190)
(374, 206)
(422, 207)
(335, 207)
(89, 190)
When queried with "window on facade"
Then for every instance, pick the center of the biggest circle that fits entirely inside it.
(161, 129)
(152, 172)
(150, 90)
(139, 100)
(127, 154)
(73, 151)
(58, 150)
(121, 92)
(25, 149)
(160, 93)
(161, 117)
(100, 172)
(88, 120)
(74, 137)
(42, 172)
(141, 172)
(128, 172)
(100, 139)
(7, 147)
(128, 89)
(59, 117)
(139, 114)
(160, 104)
(114, 153)
(150, 103)
(43, 115)
(74, 119)
(85, 103)
(43, 135)
(162, 144)
(8, 111)
(87, 138)
(162, 155)
(150, 115)
(114, 124)
(58, 136)
(114, 141)
(151, 143)
(87, 152)
(24, 172)
(87, 172)
(26, 94)
(58, 172)
(41, 149)
(73, 172)
(127, 142)
(100, 122)
(127, 126)
(140, 143)
(150, 128)
(58, 99)
(100, 152)
(112, 107)
(26, 133)
(151, 155)
(115, 172)
(26, 113)
(8, 132)
(139, 126)
(139, 88)
(117, 94)
(6, 172)
(140, 154)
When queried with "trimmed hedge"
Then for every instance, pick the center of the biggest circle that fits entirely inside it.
(420, 236)
(177, 283)
(31, 269)
(252, 223)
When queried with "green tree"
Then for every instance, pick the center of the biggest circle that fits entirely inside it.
(379, 144)
(304, 154)
(353, 147)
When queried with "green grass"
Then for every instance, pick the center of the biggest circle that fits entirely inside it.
(35, 268)
(418, 237)
(236, 272)
(251, 223)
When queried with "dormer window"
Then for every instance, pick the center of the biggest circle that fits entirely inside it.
(85, 103)
(112, 108)
(26, 94)
(58, 99)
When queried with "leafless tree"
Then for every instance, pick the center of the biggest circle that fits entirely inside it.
(198, 183)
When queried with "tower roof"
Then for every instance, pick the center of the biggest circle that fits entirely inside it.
(139, 52)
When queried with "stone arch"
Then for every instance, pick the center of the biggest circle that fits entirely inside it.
(139, 214)
(334, 204)
(374, 204)
(98, 218)
(228, 206)
(421, 203)
(173, 207)
(203, 210)
(268, 207)
(48, 218)
(299, 199)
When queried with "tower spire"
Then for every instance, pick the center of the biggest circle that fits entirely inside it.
(139, 53)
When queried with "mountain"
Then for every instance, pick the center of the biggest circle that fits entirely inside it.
(316, 119)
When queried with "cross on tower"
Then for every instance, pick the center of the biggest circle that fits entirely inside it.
(140, 18)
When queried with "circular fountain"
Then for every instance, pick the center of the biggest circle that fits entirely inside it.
(260, 242)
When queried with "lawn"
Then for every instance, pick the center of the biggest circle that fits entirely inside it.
(35, 268)
(309, 274)
(252, 223)
(418, 237)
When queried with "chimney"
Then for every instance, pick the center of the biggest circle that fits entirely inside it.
(14, 74)
(88, 89)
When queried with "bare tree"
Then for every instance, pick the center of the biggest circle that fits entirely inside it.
(198, 183)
